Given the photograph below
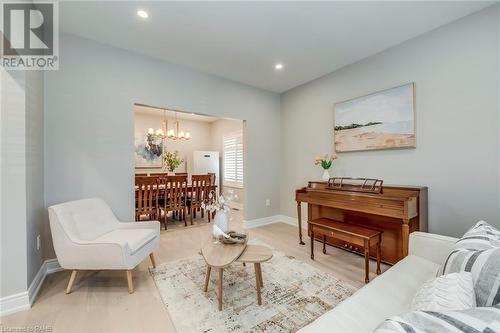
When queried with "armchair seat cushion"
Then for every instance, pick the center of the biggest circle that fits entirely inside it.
(136, 238)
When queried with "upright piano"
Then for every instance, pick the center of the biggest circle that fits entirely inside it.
(395, 210)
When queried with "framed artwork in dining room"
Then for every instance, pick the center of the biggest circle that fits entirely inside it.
(381, 120)
(148, 151)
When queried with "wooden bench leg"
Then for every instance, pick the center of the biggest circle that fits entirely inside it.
(257, 282)
(312, 242)
(219, 294)
(378, 253)
(207, 278)
(324, 244)
(367, 261)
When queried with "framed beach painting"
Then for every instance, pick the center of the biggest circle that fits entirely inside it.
(148, 151)
(382, 120)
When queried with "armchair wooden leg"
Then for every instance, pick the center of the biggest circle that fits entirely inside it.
(130, 282)
(71, 281)
(152, 257)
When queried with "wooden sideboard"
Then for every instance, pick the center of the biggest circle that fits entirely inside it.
(396, 211)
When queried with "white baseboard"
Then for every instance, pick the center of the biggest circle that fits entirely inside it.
(24, 300)
(14, 303)
(279, 218)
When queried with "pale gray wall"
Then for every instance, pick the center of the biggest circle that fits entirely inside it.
(35, 200)
(455, 69)
(13, 277)
(22, 196)
(89, 122)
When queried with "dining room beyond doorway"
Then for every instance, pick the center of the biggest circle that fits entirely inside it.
(182, 161)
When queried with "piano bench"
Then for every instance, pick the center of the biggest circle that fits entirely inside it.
(347, 232)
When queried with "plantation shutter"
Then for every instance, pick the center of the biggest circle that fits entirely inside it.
(233, 159)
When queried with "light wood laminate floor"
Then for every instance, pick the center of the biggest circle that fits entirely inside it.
(100, 301)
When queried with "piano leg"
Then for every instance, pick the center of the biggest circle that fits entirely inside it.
(379, 242)
(324, 244)
(367, 260)
(312, 242)
(299, 218)
(405, 235)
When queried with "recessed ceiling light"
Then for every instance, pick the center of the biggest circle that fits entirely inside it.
(192, 114)
(278, 67)
(142, 13)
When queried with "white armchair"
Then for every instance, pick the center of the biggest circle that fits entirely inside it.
(87, 236)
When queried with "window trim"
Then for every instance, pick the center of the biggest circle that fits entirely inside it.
(238, 135)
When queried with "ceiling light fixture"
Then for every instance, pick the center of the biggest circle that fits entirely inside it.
(142, 14)
(278, 67)
(164, 132)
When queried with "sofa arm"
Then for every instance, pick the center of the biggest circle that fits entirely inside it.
(432, 247)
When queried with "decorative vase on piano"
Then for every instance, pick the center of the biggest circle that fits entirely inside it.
(326, 163)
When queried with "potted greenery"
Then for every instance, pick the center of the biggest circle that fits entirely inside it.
(326, 163)
(171, 160)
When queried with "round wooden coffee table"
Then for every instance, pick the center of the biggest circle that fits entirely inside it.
(219, 256)
(256, 254)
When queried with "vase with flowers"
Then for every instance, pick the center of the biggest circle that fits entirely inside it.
(171, 160)
(326, 162)
(219, 205)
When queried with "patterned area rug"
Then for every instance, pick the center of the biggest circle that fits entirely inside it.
(294, 295)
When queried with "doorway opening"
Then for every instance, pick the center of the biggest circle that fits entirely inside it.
(171, 142)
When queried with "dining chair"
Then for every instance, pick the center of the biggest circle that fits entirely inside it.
(175, 197)
(146, 197)
(199, 194)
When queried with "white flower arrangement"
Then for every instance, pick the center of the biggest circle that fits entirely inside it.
(217, 203)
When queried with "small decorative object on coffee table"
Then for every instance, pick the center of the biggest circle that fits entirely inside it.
(326, 163)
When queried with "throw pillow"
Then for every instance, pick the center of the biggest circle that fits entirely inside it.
(480, 237)
(485, 319)
(485, 268)
(453, 291)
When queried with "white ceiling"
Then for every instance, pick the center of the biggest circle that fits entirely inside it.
(242, 41)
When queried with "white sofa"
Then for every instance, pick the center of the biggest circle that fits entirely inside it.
(390, 293)
(87, 236)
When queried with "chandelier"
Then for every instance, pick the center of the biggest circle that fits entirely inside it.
(173, 133)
